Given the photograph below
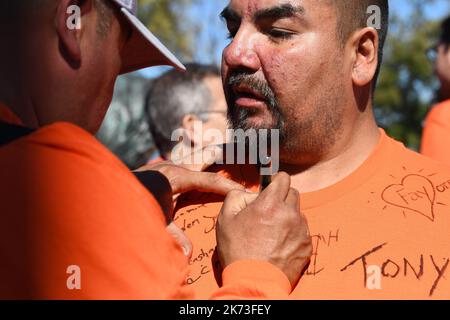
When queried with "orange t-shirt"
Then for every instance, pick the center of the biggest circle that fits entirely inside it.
(76, 224)
(436, 133)
(380, 233)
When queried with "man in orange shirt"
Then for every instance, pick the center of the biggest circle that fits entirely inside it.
(436, 132)
(74, 222)
(378, 213)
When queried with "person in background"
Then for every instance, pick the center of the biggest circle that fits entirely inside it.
(436, 131)
(193, 102)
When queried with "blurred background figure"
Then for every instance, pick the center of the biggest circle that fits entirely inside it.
(436, 134)
(193, 102)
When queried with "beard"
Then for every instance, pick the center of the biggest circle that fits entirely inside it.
(304, 136)
(238, 118)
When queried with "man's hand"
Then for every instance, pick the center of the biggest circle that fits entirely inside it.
(185, 178)
(267, 227)
(188, 177)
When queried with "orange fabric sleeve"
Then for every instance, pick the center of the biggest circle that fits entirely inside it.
(436, 134)
(76, 224)
(251, 279)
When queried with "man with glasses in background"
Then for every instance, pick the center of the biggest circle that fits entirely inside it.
(187, 104)
(436, 133)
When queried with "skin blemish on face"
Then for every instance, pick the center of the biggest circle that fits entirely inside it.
(252, 6)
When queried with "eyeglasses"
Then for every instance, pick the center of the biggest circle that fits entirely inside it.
(224, 113)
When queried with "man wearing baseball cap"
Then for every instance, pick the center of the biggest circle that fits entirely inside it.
(74, 222)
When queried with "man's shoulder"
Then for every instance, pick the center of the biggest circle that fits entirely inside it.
(440, 113)
(63, 154)
(61, 144)
(403, 156)
(66, 164)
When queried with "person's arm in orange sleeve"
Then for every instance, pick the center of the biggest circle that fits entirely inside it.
(252, 279)
(436, 138)
(76, 224)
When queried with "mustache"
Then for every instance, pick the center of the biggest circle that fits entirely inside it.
(238, 117)
(258, 85)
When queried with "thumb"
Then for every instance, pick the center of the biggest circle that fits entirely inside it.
(181, 238)
(237, 200)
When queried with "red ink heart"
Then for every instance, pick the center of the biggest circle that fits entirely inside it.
(415, 193)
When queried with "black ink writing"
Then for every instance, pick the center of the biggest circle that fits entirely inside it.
(417, 274)
(364, 261)
(440, 271)
(328, 240)
(212, 226)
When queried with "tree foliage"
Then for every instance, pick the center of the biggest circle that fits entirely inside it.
(169, 20)
(407, 84)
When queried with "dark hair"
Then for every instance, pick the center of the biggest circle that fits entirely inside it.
(445, 32)
(174, 95)
(352, 15)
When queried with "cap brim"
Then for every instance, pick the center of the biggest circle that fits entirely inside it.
(144, 50)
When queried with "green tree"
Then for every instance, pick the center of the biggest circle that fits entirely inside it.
(169, 21)
(407, 84)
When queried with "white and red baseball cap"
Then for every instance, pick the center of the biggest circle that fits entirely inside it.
(143, 48)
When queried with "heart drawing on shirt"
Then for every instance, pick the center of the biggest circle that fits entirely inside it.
(415, 193)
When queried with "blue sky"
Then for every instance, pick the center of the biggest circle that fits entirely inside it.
(212, 38)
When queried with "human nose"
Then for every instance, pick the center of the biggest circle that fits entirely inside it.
(241, 52)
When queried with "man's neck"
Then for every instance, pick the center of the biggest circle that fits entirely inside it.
(352, 149)
(15, 96)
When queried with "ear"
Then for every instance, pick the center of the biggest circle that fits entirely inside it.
(365, 46)
(69, 28)
(188, 124)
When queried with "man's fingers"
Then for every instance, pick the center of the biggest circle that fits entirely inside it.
(279, 188)
(293, 198)
(201, 159)
(206, 182)
(237, 201)
(184, 180)
(181, 238)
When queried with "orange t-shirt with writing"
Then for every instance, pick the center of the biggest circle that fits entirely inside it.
(76, 224)
(436, 133)
(380, 233)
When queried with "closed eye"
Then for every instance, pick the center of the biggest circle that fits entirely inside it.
(282, 34)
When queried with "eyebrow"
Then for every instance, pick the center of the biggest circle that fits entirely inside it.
(279, 12)
(274, 13)
(229, 14)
